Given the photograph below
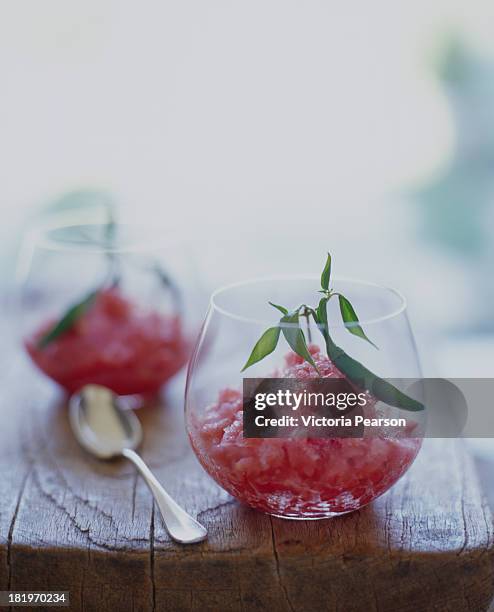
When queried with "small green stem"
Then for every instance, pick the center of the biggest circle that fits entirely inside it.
(306, 313)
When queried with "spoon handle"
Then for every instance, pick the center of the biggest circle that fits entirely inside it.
(180, 525)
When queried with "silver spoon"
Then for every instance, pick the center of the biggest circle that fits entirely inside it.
(105, 430)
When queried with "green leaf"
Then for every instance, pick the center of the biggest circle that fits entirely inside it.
(67, 321)
(282, 309)
(294, 335)
(358, 374)
(349, 316)
(264, 346)
(326, 273)
(381, 389)
(321, 312)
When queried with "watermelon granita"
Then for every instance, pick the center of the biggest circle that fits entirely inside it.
(296, 477)
(115, 343)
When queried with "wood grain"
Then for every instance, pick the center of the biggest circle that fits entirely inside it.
(69, 522)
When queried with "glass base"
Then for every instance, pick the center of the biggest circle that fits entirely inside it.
(313, 518)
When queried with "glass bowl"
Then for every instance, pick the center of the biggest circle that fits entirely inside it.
(107, 304)
(301, 478)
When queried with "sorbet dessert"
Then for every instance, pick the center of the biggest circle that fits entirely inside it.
(297, 477)
(116, 343)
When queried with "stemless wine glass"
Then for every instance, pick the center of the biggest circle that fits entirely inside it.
(296, 477)
(107, 304)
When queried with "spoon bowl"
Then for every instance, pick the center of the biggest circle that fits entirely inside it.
(100, 424)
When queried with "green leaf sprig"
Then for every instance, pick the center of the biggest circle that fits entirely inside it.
(68, 320)
(356, 373)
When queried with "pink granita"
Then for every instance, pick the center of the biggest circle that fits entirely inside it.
(116, 343)
(297, 477)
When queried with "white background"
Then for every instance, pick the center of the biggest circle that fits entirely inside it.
(288, 127)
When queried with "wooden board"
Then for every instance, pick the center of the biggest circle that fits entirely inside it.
(69, 522)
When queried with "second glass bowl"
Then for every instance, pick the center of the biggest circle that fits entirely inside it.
(107, 304)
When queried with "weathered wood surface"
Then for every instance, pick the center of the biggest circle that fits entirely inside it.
(69, 522)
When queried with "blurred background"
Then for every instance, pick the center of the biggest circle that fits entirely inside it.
(266, 133)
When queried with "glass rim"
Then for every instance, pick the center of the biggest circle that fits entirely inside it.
(153, 238)
(402, 306)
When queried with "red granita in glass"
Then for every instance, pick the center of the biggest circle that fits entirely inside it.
(296, 477)
(116, 343)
